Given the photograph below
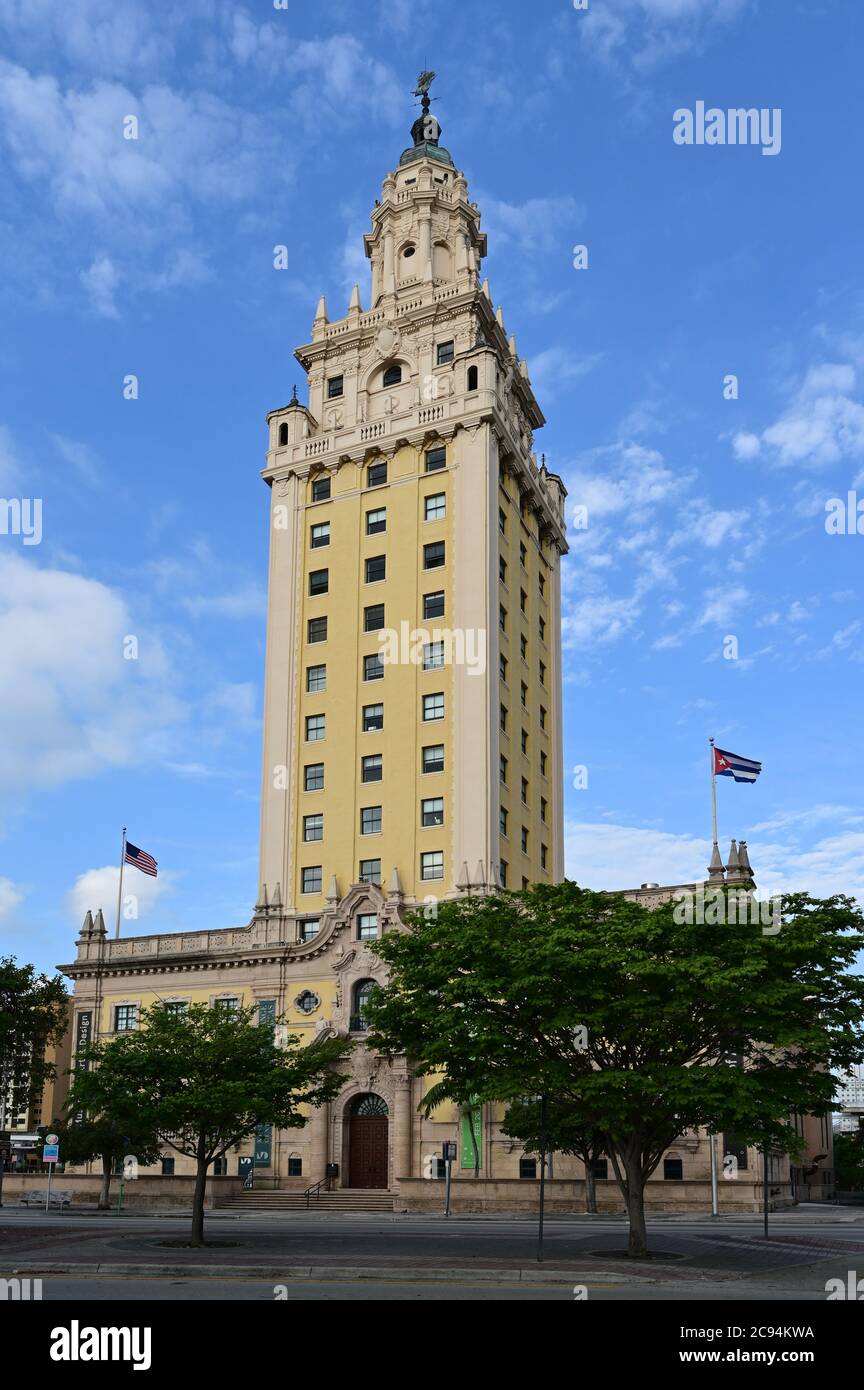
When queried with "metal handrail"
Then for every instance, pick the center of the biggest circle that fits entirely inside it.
(316, 1188)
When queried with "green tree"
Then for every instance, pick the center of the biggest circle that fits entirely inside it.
(849, 1161)
(34, 1014)
(558, 1131)
(203, 1079)
(688, 1024)
(100, 1136)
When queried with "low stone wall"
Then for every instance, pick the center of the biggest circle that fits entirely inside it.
(568, 1197)
(147, 1191)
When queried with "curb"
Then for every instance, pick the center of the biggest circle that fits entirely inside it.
(325, 1273)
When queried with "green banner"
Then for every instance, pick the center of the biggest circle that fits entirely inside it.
(264, 1133)
(472, 1122)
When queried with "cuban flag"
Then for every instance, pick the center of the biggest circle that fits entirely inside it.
(731, 765)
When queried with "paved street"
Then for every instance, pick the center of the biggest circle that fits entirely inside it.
(95, 1256)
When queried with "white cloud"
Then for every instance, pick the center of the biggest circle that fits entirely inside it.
(722, 605)
(634, 477)
(536, 226)
(98, 888)
(10, 467)
(646, 33)
(100, 280)
(76, 706)
(553, 368)
(10, 896)
(822, 424)
(248, 601)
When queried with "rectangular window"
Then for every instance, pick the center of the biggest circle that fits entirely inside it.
(313, 777)
(527, 1167)
(524, 741)
(523, 553)
(502, 873)
(543, 764)
(436, 458)
(314, 728)
(310, 928)
(502, 617)
(372, 768)
(541, 584)
(542, 627)
(432, 811)
(376, 569)
(600, 1168)
(321, 490)
(542, 717)
(433, 706)
(502, 820)
(433, 656)
(316, 678)
(502, 718)
(373, 617)
(319, 582)
(433, 758)
(444, 353)
(525, 790)
(502, 768)
(373, 718)
(177, 1007)
(432, 864)
(313, 828)
(370, 820)
(502, 666)
(523, 692)
(543, 856)
(544, 807)
(502, 522)
(295, 1167)
(524, 840)
(319, 535)
(311, 879)
(523, 646)
(433, 605)
(370, 871)
(376, 521)
(502, 569)
(316, 630)
(542, 673)
(167, 1167)
(433, 555)
(373, 667)
(673, 1169)
(435, 506)
(376, 475)
(367, 926)
(125, 1018)
(334, 387)
(523, 599)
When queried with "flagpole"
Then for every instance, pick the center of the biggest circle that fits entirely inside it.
(120, 885)
(713, 792)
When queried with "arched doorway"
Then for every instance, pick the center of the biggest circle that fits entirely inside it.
(368, 1141)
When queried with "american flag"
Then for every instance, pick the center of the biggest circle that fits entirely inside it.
(141, 859)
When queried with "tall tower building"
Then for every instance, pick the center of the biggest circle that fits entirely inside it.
(412, 734)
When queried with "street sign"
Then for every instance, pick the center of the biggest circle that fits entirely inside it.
(52, 1138)
(51, 1153)
(449, 1150)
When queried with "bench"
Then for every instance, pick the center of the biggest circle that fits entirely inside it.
(37, 1197)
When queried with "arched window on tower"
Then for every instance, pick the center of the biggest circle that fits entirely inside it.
(359, 998)
(472, 379)
(392, 376)
(283, 434)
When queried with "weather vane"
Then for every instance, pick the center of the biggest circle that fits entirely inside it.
(424, 82)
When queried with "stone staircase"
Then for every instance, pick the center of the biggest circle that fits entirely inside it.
(341, 1199)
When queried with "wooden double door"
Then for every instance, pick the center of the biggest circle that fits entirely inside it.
(368, 1151)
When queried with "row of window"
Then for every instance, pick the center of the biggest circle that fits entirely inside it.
(373, 718)
(544, 852)
(373, 617)
(431, 867)
(434, 509)
(444, 354)
(375, 568)
(503, 720)
(372, 766)
(433, 655)
(431, 813)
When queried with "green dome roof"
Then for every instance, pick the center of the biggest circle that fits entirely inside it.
(426, 151)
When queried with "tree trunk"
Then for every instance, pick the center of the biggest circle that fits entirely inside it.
(637, 1245)
(198, 1198)
(590, 1189)
(107, 1164)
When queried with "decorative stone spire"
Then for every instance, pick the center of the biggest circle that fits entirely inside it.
(395, 888)
(320, 321)
(354, 306)
(744, 864)
(487, 291)
(463, 882)
(99, 924)
(480, 880)
(715, 868)
(87, 926)
(333, 890)
(499, 315)
(733, 870)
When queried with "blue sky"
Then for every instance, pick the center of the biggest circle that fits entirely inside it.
(706, 516)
